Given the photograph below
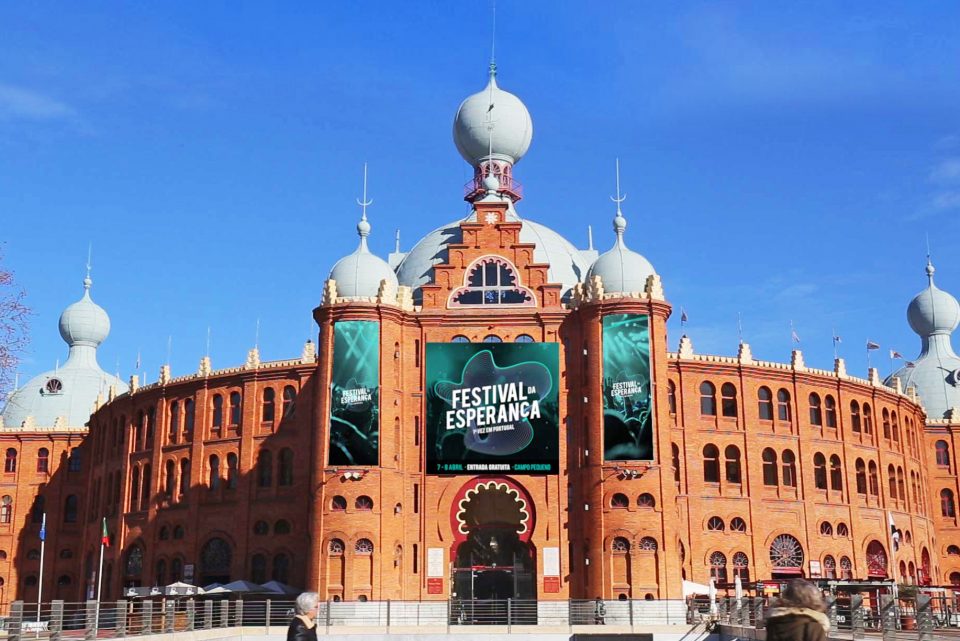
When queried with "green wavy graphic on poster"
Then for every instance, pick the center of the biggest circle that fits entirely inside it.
(627, 403)
(355, 394)
(492, 407)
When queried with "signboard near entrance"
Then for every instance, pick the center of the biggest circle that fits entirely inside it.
(627, 383)
(355, 394)
(434, 586)
(551, 584)
(492, 407)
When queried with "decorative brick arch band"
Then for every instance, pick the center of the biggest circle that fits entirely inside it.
(509, 488)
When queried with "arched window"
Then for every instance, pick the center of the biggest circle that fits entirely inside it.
(523, 338)
(895, 425)
(233, 472)
(145, 488)
(892, 481)
(901, 485)
(39, 507)
(786, 553)
(770, 476)
(281, 527)
(854, 418)
(867, 420)
(285, 471)
(732, 463)
(816, 411)
(947, 506)
(281, 568)
(43, 460)
(886, 423)
(861, 476)
(846, 568)
(718, 567)
(160, 574)
(174, 430)
(492, 280)
(188, 418)
(829, 567)
(363, 546)
(261, 528)
(138, 432)
(826, 529)
(492, 338)
(874, 479)
(765, 404)
(783, 405)
(675, 462)
(184, 476)
(738, 525)
(648, 544)
(169, 478)
(708, 399)
(715, 524)
(646, 500)
(836, 473)
(876, 560)
(134, 488)
(620, 545)
(265, 469)
(459, 338)
(338, 504)
(133, 567)
(672, 397)
(258, 569)
(741, 566)
(830, 406)
(216, 557)
(176, 570)
(269, 405)
(819, 471)
(953, 550)
(10, 462)
(619, 500)
(217, 412)
(151, 419)
(336, 547)
(289, 401)
(71, 506)
(711, 464)
(164, 534)
(236, 408)
(728, 400)
(789, 469)
(363, 503)
(75, 460)
(6, 509)
(943, 454)
(214, 472)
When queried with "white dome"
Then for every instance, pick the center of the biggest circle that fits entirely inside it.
(512, 125)
(620, 269)
(933, 311)
(359, 275)
(567, 265)
(84, 322)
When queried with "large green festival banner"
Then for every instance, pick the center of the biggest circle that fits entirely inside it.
(493, 408)
(355, 394)
(627, 403)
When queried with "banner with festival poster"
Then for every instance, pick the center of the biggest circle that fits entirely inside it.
(355, 394)
(627, 384)
(492, 408)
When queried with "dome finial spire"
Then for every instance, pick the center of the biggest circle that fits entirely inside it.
(493, 42)
(87, 282)
(619, 222)
(363, 227)
(930, 268)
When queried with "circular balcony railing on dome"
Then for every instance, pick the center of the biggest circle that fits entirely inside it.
(786, 554)
(508, 185)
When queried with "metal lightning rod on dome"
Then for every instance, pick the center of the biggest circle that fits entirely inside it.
(620, 198)
(90, 257)
(364, 203)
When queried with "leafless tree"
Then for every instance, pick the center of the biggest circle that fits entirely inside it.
(13, 327)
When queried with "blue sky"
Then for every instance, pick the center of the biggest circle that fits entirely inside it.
(783, 161)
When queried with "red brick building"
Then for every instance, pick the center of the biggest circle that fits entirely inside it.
(342, 480)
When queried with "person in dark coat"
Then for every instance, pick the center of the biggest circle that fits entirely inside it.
(303, 626)
(799, 614)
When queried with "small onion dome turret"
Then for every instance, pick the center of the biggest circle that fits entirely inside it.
(84, 322)
(933, 311)
(620, 269)
(492, 124)
(359, 275)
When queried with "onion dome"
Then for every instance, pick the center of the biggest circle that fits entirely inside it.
(620, 269)
(359, 275)
(69, 391)
(492, 124)
(933, 314)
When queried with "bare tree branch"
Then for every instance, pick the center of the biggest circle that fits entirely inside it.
(14, 336)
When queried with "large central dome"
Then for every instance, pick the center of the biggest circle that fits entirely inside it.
(494, 124)
(567, 264)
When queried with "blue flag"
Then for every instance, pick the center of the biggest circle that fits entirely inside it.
(43, 528)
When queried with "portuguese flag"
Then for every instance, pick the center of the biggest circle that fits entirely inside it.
(105, 536)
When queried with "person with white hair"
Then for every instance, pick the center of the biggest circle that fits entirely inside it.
(303, 626)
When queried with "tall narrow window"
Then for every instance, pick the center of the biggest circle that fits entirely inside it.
(943, 454)
(947, 506)
(675, 461)
(861, 469)
(885, 415)
(264, 469)
(43, 460)
(770, 476)
(711, 464)
(874, 479)
(836, 474)
(819, 471)
(732, 456)
(269, 405)
(10, 462)
(151, 420)
(134, 488)
(174, 430)
(169, 478)
(6, 509)
(718, 567)
(70, 508)
(285, 473)
(217, 412)
(783, 405)
(214, 472)
(830, 406)
(895, 426)
(765, 404)
(672, 397)
(708, 399)
(235, 409)
(816, 411)
(867, 419)
(741, 566)
(184, 476)
(188, 419)
(728, 400)
(289, 399)
(855, 416)
(233, 472)
(39, 507)
(901, 485)
(789, 469)
(892, 481)
(138, 432)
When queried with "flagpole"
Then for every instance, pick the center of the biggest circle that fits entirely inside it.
(43, 545)
(893, 552)
(100, 573)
